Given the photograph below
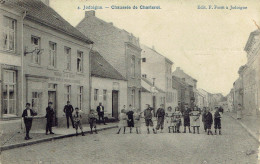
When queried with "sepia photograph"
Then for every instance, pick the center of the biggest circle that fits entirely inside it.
(129, 81)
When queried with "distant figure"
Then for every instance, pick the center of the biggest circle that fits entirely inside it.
(239, 111)
(27, 118)
(92, 119)
(130, 120)
(68, 110)
(148, 118)
(160, 118)
(186, 118)
(122, 120)
(101, 112)
(217, 121)
(195, 119)
(208, 121)
(49, 116)
(77, 121)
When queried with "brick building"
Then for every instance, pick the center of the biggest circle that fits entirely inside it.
(158, 68)
(120, 48)
(50, 61)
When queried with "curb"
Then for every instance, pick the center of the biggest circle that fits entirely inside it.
(8, 147)
(247, 129)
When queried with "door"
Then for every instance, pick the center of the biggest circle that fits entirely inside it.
(52, 98)
(115, 104)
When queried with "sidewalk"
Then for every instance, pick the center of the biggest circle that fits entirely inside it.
(249, 122)
(15, 140)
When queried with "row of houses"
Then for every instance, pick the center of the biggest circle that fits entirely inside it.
(45, 59)
(246, 88)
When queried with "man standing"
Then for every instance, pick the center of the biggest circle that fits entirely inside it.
(160, 118)
(100, 111)
(217, 121)
(68, 110)
(148, 118)
(27, 118)
(49, 116)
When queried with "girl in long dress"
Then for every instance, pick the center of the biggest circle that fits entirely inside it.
(122, 121)
(195, 119)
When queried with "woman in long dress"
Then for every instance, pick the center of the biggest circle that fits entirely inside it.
(122, 121)
(130, 120)
(195, 119)
(239, 111)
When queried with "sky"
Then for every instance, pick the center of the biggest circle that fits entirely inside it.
(207, 44)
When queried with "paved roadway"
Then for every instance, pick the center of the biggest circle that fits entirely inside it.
(234, 146)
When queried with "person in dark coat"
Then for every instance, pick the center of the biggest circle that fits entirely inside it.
(217, 121)
(68, 110)
(208, 121)
(203, 118)
(49, 116)
(130, 115)
(148, 116)
(101, 111)
(27, 118)
(160, 117)
(186, 118)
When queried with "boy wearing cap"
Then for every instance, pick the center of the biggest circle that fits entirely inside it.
(49, 117)
(92, 118)
(27, 118)
(77, 121)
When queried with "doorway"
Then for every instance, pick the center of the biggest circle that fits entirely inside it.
(115, 104)
(52, 98)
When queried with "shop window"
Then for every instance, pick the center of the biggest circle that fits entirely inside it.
(52, 54)
(80, 96)
(9, 92)
(80, 61)
(144, 75)
(95, 94)
(35, 42)
(67, 52)
(105, 95)
(143, 60)
(67, 93)
(8, 34)
(36, 101)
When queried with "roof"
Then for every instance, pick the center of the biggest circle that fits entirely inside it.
(39, 12)
(101, 68)
(252, 34)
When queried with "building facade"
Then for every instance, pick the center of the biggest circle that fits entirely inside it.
(120, 48)
(54, 63)
(158, 69)
(108, 86)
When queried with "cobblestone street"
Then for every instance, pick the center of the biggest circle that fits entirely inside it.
(234, 146)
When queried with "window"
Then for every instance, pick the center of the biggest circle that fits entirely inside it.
(105, 95)
(36, 101)
(52, 54)
(133, 98)
(67, 52)
(9, 34)
(80, 96)
(9, 92)
(133, 66)
(80, 61)
(67, 92)
(35, 41)
(144, 75)
(143, 60)
(96, 94)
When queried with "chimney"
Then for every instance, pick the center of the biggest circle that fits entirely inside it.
(46, 2)
(90, 13)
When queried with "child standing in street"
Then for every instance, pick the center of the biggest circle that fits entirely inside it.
(122, 121)
(217, 121)
(92, 119)
(177, 115)
(137, 120)
(195, 119)
(148, 118)
(77, 121)
(208, 121)
(186, 118)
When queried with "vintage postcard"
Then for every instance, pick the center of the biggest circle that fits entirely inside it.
(129, 81)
